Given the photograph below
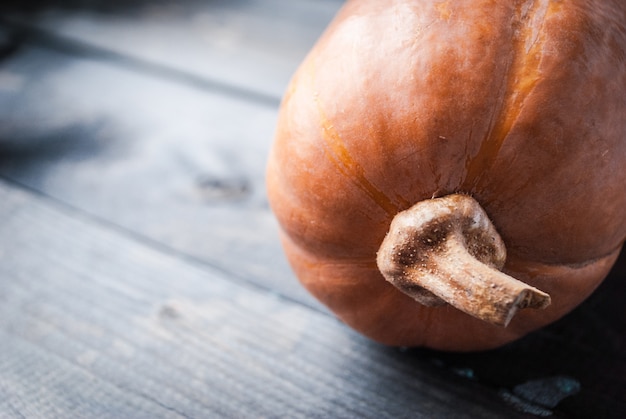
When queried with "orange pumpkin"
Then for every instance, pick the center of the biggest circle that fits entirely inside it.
(439, 165)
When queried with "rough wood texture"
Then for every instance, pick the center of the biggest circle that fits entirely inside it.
(140, 270)
(241, 44)
(181, 166)
(96, 324)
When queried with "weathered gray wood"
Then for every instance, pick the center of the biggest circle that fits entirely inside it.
(126, 111)
(251, 44)
(96, 324)
(175, 164)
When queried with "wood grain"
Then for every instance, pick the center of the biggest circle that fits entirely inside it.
(96, 324)
(246, 44)
(175, 164)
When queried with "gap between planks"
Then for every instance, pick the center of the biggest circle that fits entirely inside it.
(157, 245)
(62, 44)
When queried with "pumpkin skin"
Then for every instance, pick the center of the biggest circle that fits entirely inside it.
(520, 104)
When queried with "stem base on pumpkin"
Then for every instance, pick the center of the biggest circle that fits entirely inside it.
(446, 250)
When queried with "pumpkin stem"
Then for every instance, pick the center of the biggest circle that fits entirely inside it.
(446, 250)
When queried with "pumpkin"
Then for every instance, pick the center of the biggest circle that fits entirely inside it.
(452, 174)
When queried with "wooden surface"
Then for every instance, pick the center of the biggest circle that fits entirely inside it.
(140, 269)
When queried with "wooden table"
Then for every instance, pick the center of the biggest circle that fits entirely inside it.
(140, 270)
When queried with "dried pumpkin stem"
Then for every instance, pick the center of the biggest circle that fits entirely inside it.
(446, 250)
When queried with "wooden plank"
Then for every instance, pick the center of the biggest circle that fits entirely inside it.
(96, 324)
(250, 44)
(178, 165)
(142, 132)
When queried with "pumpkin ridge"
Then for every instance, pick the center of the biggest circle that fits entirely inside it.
(573, 266)
(346, 165)
(521, 75)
